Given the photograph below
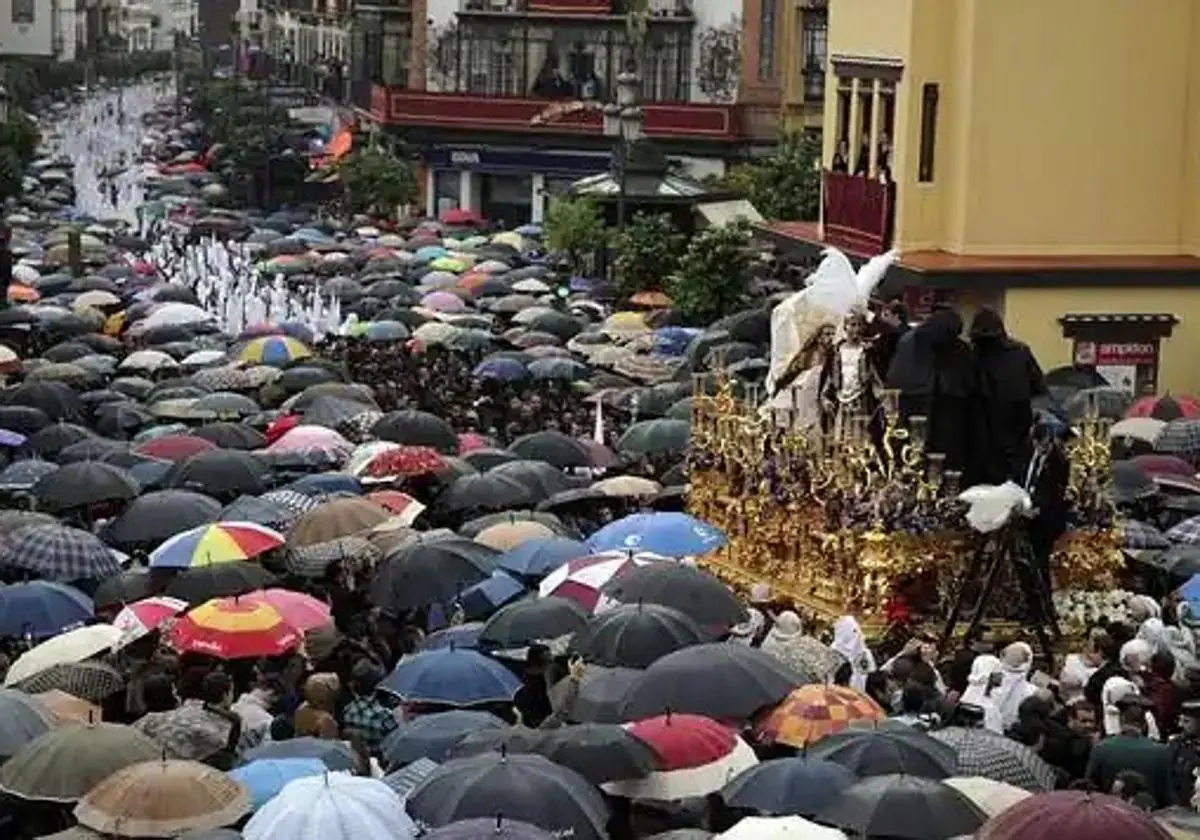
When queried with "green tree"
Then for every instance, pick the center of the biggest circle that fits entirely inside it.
(574, 228)
(18, 148)
(787, 184)
(375, 181)
(648, 252)
(713, 273)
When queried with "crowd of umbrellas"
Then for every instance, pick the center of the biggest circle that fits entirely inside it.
(187, 457)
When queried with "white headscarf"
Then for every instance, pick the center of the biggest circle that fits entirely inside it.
(1135, 656)
(848, 640)
(1115, 690)
(1015, 687)
(1074, 676)
(979, 692)
(1182, 644)
(1152, 633)
(1142, 607)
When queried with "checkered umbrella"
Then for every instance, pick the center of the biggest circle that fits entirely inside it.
(59, 553)
(297, 503)
(1179, 437)
(91, 681)
(813, 712)
(225, 378)
(992, 756)
(1186, 532)
(354, 553)
(1140, 536)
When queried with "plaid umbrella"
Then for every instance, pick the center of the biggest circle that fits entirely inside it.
(92, 681)
(403, 781)
(1140, 536)
(1179, 437)
(296, 502)
(356, 554)
(985, 753)
(358, 428)
(1186, 532)
(59, 553)
(190, 732)
(813, 712)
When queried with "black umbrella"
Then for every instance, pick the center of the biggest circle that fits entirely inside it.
(23, 419)
(693, 591)
(91, 449)
(509, 739)
(129, 586)
(232, 436)
(67, 351)
(84, 483)
(636, 635)
(429, 570)
(717, 680)
(600, 752)
(540, 477)
(750, 325)
(596, 697)
(258, 510)
(558, 324)
(1074, 378)
(528, 788)
(796, 785)
(486, 459)
(336, 755)
(53, 439)
(490, 491)
(656, 437)
(525, 622)
(121, 420)
(885, 749)
(58, 400)
(220, 473)
(221, 581)
(153, 517)
(903, 807)
(417, 428)
(555, 448)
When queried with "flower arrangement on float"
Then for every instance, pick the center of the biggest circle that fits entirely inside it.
(1079, 609)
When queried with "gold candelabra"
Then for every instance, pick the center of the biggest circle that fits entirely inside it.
(834, 520)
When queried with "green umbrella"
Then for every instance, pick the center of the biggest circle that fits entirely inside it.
(66, 763)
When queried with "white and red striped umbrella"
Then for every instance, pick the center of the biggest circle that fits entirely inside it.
(579, 580)
(143, 617)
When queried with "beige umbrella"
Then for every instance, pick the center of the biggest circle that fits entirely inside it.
(991, 796)
(163, 799)
(67, 708)
(75, 832)
(65, 763)
(505, 536)
(335, 519)
(71, 647)
(628, 486)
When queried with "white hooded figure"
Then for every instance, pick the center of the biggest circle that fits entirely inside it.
(1015, 687)
(1117, 689)
(986, 675)
(1142, 607)
(1153, 632)
(848, 640)
(1182, 644)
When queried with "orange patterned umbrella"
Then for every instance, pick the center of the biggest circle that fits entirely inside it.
(812, 712)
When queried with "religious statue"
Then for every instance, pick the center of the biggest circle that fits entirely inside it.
(804, 329)
(851, 384)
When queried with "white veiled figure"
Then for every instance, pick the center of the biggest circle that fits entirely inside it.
(798, 322)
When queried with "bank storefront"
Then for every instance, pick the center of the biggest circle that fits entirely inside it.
(503, 184)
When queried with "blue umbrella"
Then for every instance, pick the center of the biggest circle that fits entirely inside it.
(11, 439)
(787, 786)
(451, 677)
(22, 475)
(430, 253)
(1190, 591)
(529, 230)
(538, 558)
(335, 755)
(464, 636)
(484, 598)
(41, 609)
(432, 736)
(506, 370)
(327, 484)
(267, 776)
(673, 341)
(669, 534)
(150, 474)
(385, 331)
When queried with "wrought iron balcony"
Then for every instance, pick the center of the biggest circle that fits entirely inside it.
(661, 9)
(858, 212)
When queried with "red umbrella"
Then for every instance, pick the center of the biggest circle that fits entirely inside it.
(174, 447)
(1072, 815)
(1155, 465)
(281, 426)
(304, 612)
(694, 756)
(400, 504)
(1168, 407)
(235, 628)
(470, 441)
(404, 462)
(458, 216)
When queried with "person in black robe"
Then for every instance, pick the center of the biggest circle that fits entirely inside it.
(933, 370)
(1043, 469)
(1007, 378)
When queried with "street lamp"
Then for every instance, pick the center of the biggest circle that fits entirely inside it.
(623, 123)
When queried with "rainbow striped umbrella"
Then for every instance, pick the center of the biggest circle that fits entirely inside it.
(235, 628)
(219, 542)
(274, 350)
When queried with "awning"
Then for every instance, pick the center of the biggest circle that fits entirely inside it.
(1088, 325)
(722, 213)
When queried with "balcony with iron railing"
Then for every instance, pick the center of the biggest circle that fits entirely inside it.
(660, 9)
(858, 212)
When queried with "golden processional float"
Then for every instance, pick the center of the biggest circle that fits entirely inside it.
(837, 525)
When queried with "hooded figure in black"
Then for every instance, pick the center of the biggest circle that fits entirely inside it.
(1007, 378)
(932, 369)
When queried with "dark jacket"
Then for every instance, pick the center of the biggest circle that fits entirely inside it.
(1132, 752)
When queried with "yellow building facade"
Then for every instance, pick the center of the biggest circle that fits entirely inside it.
(1038, 156)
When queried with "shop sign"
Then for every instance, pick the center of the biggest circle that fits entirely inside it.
(1126, 353)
